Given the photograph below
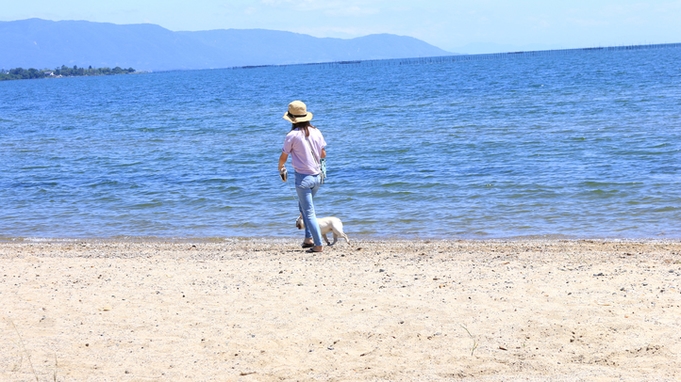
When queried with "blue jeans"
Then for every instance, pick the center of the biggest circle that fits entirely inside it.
(306, 188)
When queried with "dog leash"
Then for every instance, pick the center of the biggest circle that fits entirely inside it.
(284, 176)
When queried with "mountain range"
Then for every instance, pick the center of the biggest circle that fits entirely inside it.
(43, 44)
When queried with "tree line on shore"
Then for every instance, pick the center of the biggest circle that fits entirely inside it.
(64, 71)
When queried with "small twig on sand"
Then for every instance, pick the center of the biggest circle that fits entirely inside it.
(56, 366)
(21, 341)
(475, 342)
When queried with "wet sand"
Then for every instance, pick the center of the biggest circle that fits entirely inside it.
(265, 310)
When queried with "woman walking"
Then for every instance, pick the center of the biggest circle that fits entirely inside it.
(306, 146)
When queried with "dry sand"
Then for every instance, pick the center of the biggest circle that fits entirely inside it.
(264, 310)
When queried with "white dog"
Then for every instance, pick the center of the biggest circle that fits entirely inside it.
(326, 225)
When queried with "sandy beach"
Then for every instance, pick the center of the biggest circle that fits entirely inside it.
(265, 310)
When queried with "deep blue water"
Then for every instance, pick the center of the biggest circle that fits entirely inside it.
(575, 144)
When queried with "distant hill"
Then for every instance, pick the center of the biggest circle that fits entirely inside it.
(36, 43)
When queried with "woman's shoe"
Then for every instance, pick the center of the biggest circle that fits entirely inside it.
(308, 245)
(315, 249)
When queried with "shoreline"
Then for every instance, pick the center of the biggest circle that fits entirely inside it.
(377, 310)
(354, 237)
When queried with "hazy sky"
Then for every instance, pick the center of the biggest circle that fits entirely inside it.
(466, 26)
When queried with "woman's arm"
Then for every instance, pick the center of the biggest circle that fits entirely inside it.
(282, 166)
(282, 160)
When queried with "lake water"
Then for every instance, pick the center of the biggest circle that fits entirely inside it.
(574, 144)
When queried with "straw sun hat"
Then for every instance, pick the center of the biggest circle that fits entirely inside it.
(297, 112)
